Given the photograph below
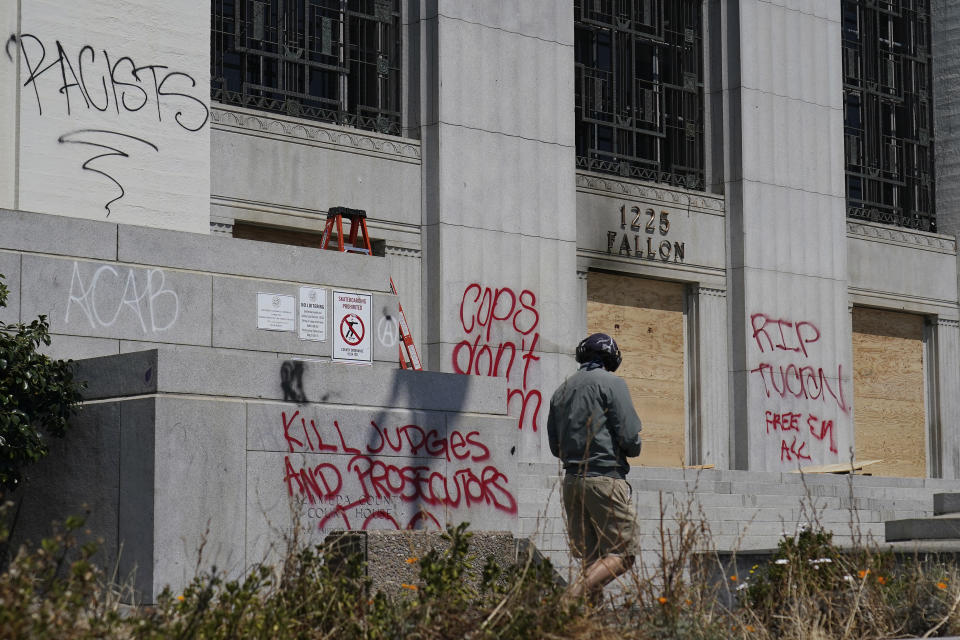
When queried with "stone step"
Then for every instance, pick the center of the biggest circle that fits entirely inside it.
(945, 527)
(946, 503)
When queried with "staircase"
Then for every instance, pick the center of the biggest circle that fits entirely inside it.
(943, 525)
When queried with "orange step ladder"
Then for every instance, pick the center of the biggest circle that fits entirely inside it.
(406, 340)
(358, 226)
(409, 356)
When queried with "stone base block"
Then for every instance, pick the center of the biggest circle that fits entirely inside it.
(393, 558)
(937, 528)
(945, 503)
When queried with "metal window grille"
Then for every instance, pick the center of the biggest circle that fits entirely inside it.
(639, 89)
(331, 60)
(888, 111)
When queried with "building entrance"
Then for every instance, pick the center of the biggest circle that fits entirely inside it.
(645, 317)
(888, 394)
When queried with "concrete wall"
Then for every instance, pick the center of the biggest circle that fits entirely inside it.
(110, 104)
(187, 448)
(109, 289)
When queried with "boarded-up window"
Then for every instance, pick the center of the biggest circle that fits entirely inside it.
(645, 317)
(296, 237)
(888, 399)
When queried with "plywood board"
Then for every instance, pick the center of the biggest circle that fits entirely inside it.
(645, 317)
(294, 237)
(841, 468)
(888, 395)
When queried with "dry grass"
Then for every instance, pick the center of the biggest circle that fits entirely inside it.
(810, 589)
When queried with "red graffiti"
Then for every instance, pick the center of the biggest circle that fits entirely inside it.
(820, 429)
(303, 435)
(382, 481)
(783, 421)
(798, 378)
(412, 483)
(803, 382)
(482, 309)
(787, 335)
(791, 452)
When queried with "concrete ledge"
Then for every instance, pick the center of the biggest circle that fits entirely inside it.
(198, 371)
(44, 233)
(945, 503)
(939, 528)
(263, 260)
(118, 376)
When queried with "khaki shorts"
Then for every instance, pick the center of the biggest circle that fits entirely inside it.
(601, 519)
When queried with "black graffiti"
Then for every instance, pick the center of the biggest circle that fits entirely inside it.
(109, 142)
(121, 82)
(291, 381)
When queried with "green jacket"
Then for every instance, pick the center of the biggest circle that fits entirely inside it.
(593, 427)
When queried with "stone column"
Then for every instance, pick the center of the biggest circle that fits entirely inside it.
(945, 27)
(781, 101)
(707, 379)
(945, 51)
(499, 223)
(943, 403)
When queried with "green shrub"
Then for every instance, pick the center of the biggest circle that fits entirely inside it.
(38, 395)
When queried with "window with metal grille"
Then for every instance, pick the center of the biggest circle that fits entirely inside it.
(888, 112)
(639, 89)
(330, 60)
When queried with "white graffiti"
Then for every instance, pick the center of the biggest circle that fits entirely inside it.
(154, 307)
(387, 331)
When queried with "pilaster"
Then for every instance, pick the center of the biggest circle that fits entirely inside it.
(786, 251)
(707, 377)
(499, 200)
(943, 403)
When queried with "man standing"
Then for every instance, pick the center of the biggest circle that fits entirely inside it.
(593, 429)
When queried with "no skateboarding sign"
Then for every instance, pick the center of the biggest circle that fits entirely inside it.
(351, 317)
(352, 329)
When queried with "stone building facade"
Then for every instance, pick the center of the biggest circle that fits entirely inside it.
(756, 198)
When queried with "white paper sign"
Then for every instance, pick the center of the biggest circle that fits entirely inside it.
(276, 312)
(351, 327)
(313, 314)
